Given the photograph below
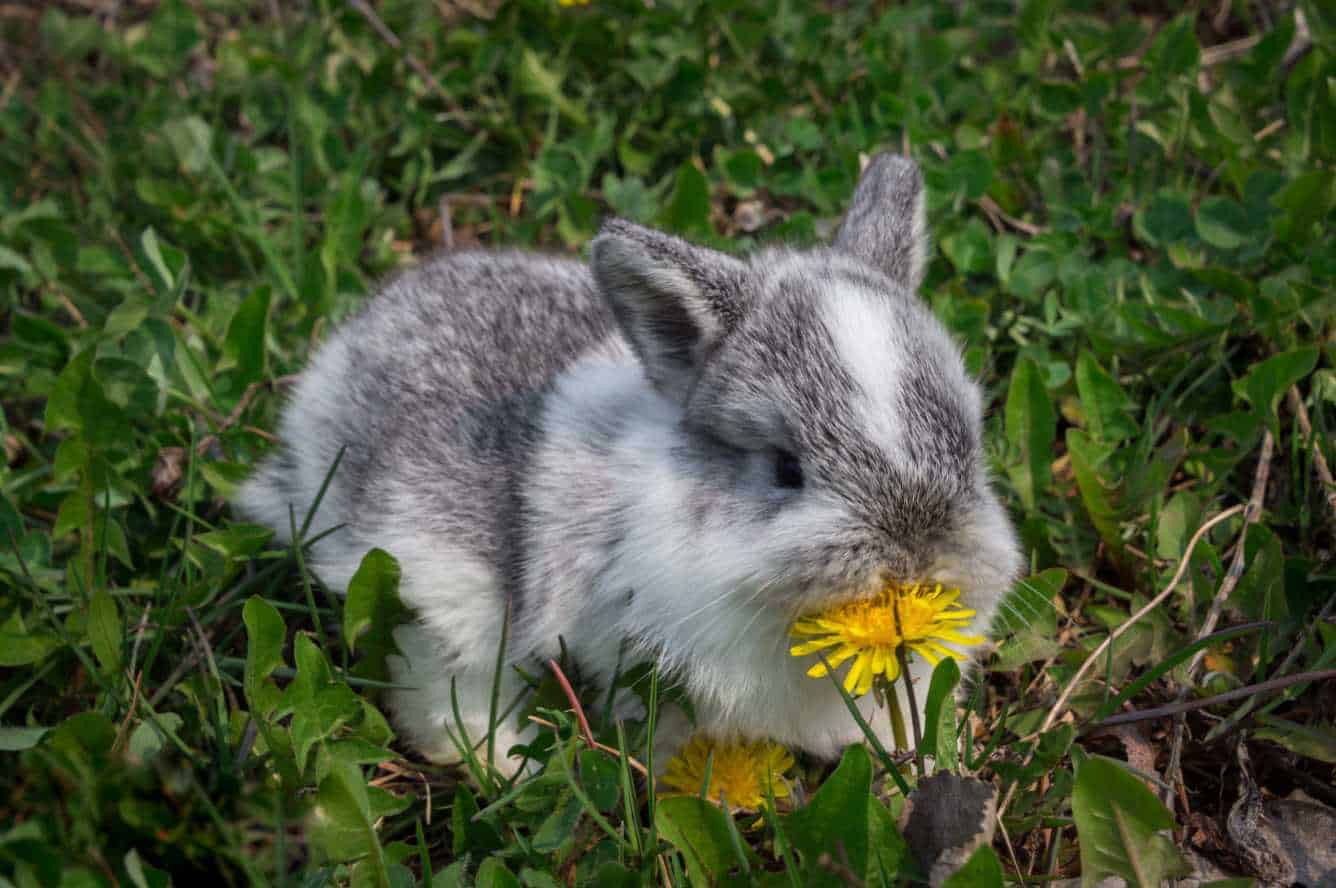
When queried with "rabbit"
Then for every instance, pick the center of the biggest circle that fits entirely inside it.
(667, 455)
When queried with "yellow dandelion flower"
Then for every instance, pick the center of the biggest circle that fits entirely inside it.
(572, 2)
(739, 771)
(866, 632)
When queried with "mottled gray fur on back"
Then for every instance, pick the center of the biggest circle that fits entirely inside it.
(668, 455)
(441, 377)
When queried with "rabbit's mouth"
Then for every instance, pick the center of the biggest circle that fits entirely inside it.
(819, 599)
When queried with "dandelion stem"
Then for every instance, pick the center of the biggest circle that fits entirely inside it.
(897, 717)
(903, 657)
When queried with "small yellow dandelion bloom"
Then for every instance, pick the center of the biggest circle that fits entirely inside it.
(866, 632)
(572, 2)
(739, 772)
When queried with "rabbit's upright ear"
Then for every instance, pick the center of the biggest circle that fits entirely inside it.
(886, 225)
(673, 300)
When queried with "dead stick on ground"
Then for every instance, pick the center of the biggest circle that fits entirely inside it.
(231, 419)
(396, 44)
(1300, 412)
(1236, 567)
(1254, 690)
(1090, 661)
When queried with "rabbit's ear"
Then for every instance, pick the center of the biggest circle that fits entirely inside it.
(673, 300)
(885, 225)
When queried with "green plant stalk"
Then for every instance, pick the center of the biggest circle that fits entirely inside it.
(590, 808)
(903, 659)
(886, 691)
(496, 687)
(306, 580)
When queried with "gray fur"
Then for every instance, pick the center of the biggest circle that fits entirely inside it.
(599, 448)
(884, 225)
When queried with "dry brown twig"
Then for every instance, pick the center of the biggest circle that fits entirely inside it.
(990, 206)
(231, 419)
(391, 38)
(1236, 567)
(588, 734)
(1059, 707)
(1296, 403)
(1179, 708)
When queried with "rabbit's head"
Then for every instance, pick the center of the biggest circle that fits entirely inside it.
(829, 436)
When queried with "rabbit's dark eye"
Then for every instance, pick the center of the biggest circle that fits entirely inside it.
(788, 471)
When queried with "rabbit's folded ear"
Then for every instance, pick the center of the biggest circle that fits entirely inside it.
(885, 225)
(672, 299)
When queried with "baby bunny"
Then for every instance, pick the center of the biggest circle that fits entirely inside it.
(668, 455)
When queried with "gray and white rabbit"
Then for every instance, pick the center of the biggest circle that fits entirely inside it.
(671, 449)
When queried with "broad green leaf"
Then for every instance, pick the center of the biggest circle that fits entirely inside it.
(21, 645)
(688, 209)
(1031, 423)
(1167, 218)
(371, 612)
(78, 403)
(835, 816)
(1178, 520)
(90, 731)
(537, 79)
(970, 248)
(610, 874)
(332, 707)
(1314, 742)
(939, 729)
(191, 139)
(1304, 202)
(1097, 497)
(887, 851)
(1260, 594)
(1175, 51)
(1028, 619)
(558, 827)
(340, 824)
(982, 870)
(600, 777)
(1119, 824)
(696, 828)
(1103, 402)
(15, 739)
(265, 634)
(105, 631)
(1266, 381)
(237, 541)
(313, 674)
(630, 197)
(970, 171)
(1222, 223)
(148, 739)
(493, 874)
(245, 343)
(165, 262)
(470, 835)
(11, 259)
(142, 875)
(1032, 22)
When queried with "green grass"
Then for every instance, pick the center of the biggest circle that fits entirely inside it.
(1132, 217)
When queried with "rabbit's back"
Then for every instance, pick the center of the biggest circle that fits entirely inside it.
(431, 394)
